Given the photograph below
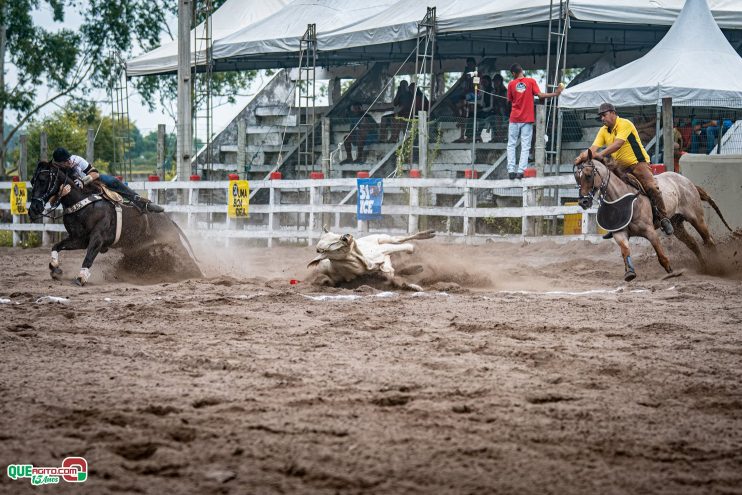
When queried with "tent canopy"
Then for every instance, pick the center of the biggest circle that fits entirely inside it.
(351, 32)
(231, 16)
(693, 64)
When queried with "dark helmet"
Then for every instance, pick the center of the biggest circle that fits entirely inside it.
(61, 155)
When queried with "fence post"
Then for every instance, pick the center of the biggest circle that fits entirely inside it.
(44, 156)
(668, 148)
(274, 199)
(470, 201)
(90, 146)
(23, 158)
(525, 224)
(23, 174)
(242, 146)
(537, 195)
(43, 147)
(414, 203)
(422, 136)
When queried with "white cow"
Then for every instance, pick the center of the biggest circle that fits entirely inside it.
(342, 258)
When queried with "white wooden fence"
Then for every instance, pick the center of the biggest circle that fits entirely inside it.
(199, 216)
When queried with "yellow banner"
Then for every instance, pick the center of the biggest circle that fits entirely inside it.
(239, 199)
(18, 198)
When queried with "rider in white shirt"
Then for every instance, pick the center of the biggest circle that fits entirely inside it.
(86, 173)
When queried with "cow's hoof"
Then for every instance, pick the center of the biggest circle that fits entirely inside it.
(78, 281)
(56, 273)
(414, 287)
(629, 276)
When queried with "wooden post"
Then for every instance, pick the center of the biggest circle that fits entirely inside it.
(422, 139)
(273, 201)
(23, 158)
(470, 201)
(423, 165)
(43, 147)
(185, 126)
(414, 203)
(668, 150)
(161, 151)
(242, 147)
(326, 165)
(90, 146)
(537, 195)
(23, 173)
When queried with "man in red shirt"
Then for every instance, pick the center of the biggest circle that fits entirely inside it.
(521, 91)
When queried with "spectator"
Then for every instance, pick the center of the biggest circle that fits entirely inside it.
(402, 107)
(421, 101)
(712, 132)
(462, 96)
(486, 100)
(501, 106)
(521, 91)
(364, 131)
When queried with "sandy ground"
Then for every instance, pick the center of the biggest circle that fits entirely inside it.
(520, 369)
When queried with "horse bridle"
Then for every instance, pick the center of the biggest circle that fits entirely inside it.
(603, 180)
(53, 179)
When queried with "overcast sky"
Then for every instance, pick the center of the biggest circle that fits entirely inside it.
(138, 112)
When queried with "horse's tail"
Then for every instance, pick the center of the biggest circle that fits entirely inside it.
(705, 197)
(183, 237)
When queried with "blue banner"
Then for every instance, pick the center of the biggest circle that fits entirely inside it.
(370, 197)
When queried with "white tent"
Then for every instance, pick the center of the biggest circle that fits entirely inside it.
(693, 64)
(399, 21)
(233, 15)
(282, 31)
(252, 34)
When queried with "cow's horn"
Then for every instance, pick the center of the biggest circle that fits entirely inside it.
(324, 229)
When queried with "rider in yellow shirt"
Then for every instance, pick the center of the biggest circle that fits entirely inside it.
(622, 142)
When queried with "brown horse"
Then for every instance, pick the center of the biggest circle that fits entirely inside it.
(682, 201)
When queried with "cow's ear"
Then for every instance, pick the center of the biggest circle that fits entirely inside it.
(324, 229)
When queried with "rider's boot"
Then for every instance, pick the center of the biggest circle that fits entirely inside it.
(148, 205)
(656, 198)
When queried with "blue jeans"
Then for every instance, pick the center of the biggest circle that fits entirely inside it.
(116, 185)
(524, 132)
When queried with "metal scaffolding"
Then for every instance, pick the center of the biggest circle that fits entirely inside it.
(120, 123)
(307, 98)
(203, 111)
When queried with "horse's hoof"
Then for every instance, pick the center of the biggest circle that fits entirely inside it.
(629, 276)
(56, 273)
(672, 275)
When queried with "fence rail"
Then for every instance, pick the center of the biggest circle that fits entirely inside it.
(311, 201)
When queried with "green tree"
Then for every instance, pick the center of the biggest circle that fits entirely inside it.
(56, 63)
(68, 127)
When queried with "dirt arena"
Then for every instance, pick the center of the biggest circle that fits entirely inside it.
(521, 369)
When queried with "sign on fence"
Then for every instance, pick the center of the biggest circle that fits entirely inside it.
(370, 196)
(239, 199)
(18, 198)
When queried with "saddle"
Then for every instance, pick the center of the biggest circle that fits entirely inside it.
(616, 215)
(111, 196)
